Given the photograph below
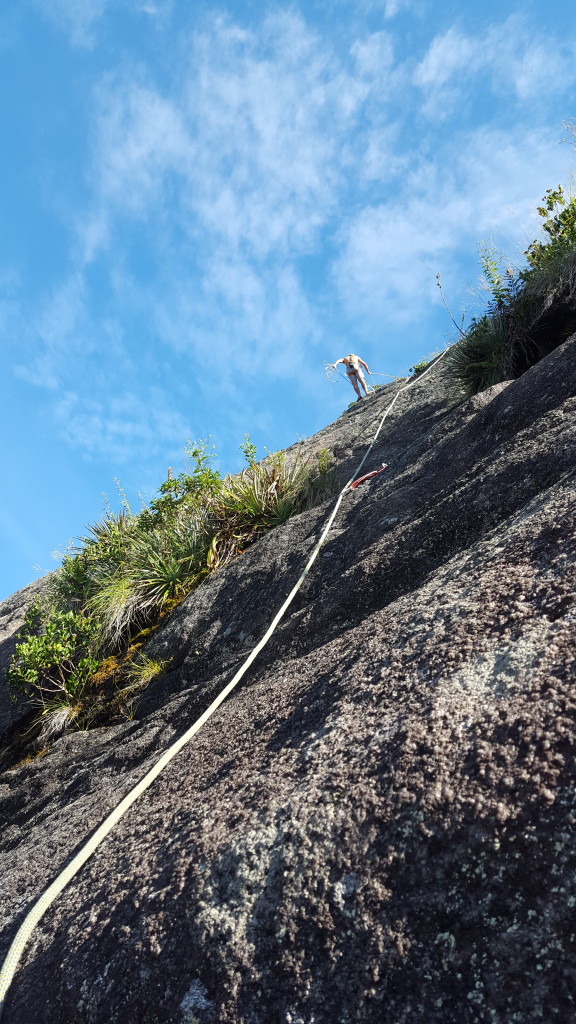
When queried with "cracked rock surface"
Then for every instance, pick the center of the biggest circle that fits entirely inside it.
(378, 824)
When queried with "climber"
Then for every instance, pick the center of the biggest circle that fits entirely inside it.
(353, 371)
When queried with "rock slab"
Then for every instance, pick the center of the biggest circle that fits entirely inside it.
(378, 825)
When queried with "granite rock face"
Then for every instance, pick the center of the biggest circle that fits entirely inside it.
(378, 825)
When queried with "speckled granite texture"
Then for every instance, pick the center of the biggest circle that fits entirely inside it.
(378, 826)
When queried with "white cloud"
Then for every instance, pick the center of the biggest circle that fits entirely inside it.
(391, 255)
(78, 18)
(241, 321)
(121, 427)
(252, 141)
(519, 61)
(393, 7)
(58, 323)
(64, 341)
(446, 70)
(263, 156)
(40, 371)
(155, 10)
(51, 338)
(448, 55)
(141, 138)
(374, 56)
(485, 184)
(383, 158)
(507, 53)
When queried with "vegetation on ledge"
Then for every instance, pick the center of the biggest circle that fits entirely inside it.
(530, 313)
(79, 661)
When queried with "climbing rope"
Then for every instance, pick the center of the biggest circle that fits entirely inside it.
(45, 901)
(331, 373)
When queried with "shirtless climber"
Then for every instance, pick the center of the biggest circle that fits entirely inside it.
(353, 371)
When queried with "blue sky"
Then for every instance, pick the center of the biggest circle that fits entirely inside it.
(200, 204)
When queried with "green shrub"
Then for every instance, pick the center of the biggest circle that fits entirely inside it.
(161, 565)
(260, 497)
(52, 666)
(191, 488)
(54, 651)
(165, 563)
(559, 216)
(423, 365)
(248, 450)
(71, 584)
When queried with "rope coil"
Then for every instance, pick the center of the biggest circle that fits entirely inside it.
(332, 373)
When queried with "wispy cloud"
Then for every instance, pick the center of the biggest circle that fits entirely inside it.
(55, 335)
(252, 137)
(123, 426)
(390, 253)
(448, 55)
(526, 64)
(516, 64)
(275, 187)
(40, 371)
(393, 7)
(243, 321)
(252, 142)
(9, 305)
(374, 56)
(80, 19)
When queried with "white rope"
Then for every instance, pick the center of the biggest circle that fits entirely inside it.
(45, 901)
(331, 372)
